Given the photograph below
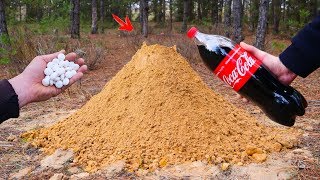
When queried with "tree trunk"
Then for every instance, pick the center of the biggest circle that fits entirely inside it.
(171, 9)
(39, 12)
(261, 30)
(190, 10)
(185, 15)
(20, 12)
(160, 12)
(220, 8)
(199, 10)
(237, 21)
(164, 11)
(271, 14)
(227, 17)
(243, 5)
(4, 35)
(115, 7)
(214, 13)
(312, 8)
(94, 26)
(205, 9)
(155, 6)
(179, 13)
(3, 23)
(283, 9)
(102, 15)
(144, 17)
(75, 19)
(130, 10)
(277, 15)
(254, 14)
(317, 8)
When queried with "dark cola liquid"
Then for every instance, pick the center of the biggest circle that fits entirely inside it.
(280, 103)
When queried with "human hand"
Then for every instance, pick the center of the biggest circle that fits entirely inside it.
(272, 63)
(28, 85)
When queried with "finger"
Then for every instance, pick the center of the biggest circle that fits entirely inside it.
(238, 96)
(253, 51)
(79, 74)
(80, 61)
(75, 78)
(50, 57)
(71, 56)
(245, 100)
(83, 69)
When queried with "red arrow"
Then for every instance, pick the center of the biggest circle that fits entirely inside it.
(124, 26)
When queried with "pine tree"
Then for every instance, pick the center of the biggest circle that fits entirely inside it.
(94, 26)
(237, 20)
(102, 15)
(227, 17)
(262, 24)
(186, 4)
(3, 22)
(144, 17)
(171, 14)
(75, 19)
(276, 15)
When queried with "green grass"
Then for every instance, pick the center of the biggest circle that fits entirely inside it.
(278, 46)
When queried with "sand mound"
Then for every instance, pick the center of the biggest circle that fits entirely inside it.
(155, 112)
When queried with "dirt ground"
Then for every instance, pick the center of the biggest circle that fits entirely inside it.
(19, 159)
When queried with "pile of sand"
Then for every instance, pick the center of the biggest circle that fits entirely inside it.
(155, 112)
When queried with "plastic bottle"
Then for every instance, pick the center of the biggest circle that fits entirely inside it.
(248, 76)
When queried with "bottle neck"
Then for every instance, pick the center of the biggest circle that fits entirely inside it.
(212, 42)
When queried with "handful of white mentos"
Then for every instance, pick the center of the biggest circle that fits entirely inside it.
(59, 72)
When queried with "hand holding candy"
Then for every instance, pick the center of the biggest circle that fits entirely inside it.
(59, 72)
(29, 84)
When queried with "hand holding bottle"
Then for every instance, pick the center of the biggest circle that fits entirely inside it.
(273, 63)
(254, 74)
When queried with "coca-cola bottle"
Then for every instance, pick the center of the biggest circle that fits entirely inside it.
(249, 77)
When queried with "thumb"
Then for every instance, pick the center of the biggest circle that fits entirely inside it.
(253, 51)
(50, 57)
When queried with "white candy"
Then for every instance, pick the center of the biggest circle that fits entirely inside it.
(76, 67)
(59, 72)
(65, 63)
(70, 64)
(68, 74)
(58, 84)
(61, 57)
(50, 64)
(53, 75)
(55, 61)
(68, 68)
(73, 72)
(60, 64)
(48, 71)
(55, 67)
(46, 82)
(65, 81)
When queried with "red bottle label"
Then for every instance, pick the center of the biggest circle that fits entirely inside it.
(237, 68)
